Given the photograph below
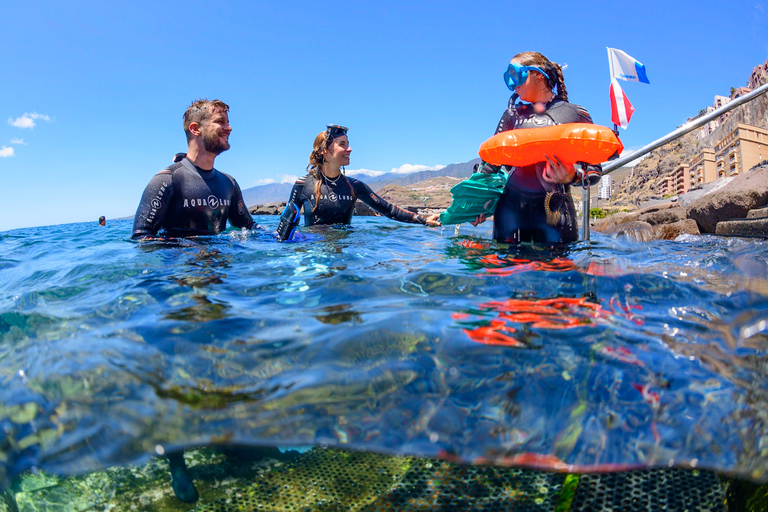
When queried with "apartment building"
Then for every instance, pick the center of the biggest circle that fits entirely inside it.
(740, 150)
(703, 168)
(605, 189)
(680, 180)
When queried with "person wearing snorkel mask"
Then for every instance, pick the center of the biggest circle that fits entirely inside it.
(536, 205)
(328, 196)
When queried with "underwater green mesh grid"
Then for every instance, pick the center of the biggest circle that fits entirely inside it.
(324, 480)
(332, 480)
(651, 490)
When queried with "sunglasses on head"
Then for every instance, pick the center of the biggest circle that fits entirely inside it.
(517, 74)
(334, 130)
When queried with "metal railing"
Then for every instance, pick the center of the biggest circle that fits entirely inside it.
(688, 127)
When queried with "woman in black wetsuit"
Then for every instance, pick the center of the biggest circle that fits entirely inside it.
(328, 196)
(536, 205)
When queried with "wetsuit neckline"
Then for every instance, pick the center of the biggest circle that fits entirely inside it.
(205, 174)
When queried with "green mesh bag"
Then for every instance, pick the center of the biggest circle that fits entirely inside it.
(473, 196)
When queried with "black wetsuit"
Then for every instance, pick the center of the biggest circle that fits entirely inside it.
(185, 200)
(521, 214)
(337, 203)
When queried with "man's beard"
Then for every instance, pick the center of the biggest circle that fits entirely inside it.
(212, 144)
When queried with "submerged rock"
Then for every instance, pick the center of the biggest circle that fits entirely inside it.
(636, 230)
(675, 229)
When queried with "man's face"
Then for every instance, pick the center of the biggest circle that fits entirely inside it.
(216, 132)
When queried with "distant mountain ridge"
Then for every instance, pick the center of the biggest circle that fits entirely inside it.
(277, 192)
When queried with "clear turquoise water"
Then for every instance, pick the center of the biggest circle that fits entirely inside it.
(386, 337)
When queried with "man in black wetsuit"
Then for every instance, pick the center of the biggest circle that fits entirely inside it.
(190, 197)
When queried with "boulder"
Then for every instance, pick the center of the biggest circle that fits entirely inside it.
(609, 223)
(636, 230)
(675, 229)
(268, 209)
(664, 216)
(745, 192)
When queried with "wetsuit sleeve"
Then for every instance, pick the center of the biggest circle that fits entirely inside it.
(239, 216)
(296, 192)
(378, 203)
(592, 173)
(153, 205)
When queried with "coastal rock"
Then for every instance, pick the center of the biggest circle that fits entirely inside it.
(609, 224)
(675, 229)
(665, 214)
(635, 230)
(745, 192)
(268, 209)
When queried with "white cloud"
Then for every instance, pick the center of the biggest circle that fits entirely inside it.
(18, 141)
(27, 120)
(5, 151)
(409, 168)
(286, 178)
(364, 172)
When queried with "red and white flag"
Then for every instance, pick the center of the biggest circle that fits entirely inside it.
(621, 108)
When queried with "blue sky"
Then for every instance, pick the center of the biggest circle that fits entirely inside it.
(93, 93)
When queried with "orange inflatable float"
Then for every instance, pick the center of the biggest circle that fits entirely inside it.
(571, 142)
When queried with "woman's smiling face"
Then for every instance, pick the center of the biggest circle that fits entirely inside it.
(338, 152)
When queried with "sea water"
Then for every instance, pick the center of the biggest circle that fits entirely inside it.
(386, 337)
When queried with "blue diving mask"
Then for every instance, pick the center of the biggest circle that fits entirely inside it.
(517, 74)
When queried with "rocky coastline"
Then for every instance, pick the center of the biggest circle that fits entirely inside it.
(737, 200)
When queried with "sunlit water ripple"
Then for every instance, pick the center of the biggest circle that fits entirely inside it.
(386, 337)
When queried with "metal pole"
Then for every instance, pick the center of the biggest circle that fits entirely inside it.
(585, 213)
(612, 166)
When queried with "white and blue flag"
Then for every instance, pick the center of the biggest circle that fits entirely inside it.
(625, 67)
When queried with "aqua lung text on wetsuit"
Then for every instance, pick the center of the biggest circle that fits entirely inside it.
(157, 202)
(211, 201)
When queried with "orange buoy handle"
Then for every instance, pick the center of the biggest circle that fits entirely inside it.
(571, 143)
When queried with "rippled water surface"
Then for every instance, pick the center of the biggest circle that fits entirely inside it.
(388, 337)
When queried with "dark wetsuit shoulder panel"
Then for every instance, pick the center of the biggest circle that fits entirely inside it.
(184, 201)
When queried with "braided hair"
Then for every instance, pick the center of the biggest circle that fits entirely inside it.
(553, 69)
(316, 161)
